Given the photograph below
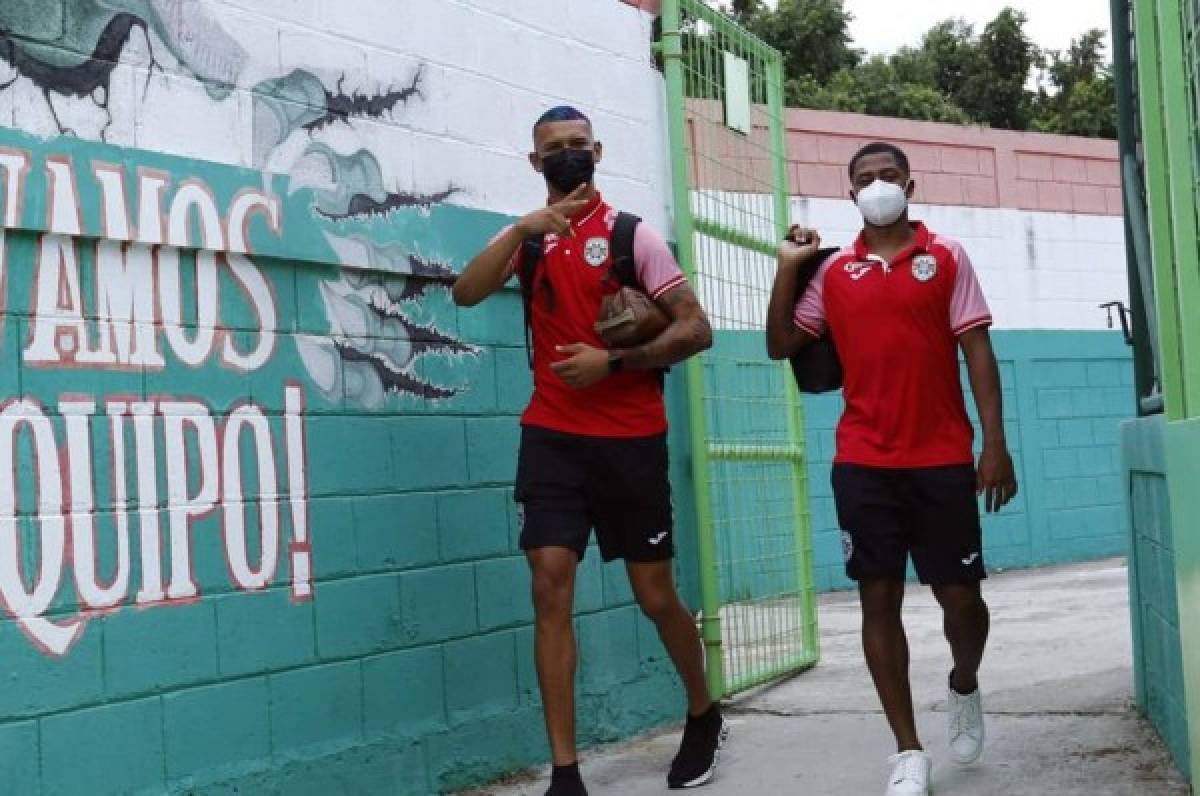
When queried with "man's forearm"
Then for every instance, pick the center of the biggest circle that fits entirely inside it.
(684, 338)
(780, 326)
(984, 374)
(488, 271)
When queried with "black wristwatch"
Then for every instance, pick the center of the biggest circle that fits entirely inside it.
(615, 361)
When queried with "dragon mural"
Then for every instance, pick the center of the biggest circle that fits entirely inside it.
(376, 337)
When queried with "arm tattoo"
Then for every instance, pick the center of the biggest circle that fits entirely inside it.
(688, 334)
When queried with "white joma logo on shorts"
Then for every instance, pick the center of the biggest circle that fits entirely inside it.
(657, 538)
(969, 560)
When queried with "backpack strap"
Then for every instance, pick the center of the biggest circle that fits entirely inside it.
(624, 269)
(529, 256)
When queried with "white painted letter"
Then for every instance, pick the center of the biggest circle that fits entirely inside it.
(15, 163)
(114, 208)
(235, 513)
(125, 303)
(256, 287)
(77, 416)
(301, 549)
(28, 606)
(63, 208)
(183, 507)
(191, 194)
(151, 590)
(59, 331)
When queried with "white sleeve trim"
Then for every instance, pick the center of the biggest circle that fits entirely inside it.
(986, 320)
(671, 284)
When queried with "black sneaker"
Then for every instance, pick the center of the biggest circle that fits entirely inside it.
(696, 762)
(565, 781)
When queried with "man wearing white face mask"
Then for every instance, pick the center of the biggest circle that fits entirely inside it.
(900, 303)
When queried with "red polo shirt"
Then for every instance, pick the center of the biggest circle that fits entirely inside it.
(628, 403)
(896, 326)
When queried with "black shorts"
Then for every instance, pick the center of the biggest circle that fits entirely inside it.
(568, 484)
(930, 512)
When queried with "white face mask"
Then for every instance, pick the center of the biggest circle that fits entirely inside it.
(882, 203)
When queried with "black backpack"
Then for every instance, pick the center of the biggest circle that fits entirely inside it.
(623, 269)
(816, 367)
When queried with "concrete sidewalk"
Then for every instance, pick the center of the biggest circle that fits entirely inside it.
(1057, 690)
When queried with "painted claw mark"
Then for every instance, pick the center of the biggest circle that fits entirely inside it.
(350, 187)
(340, 106)
(392, 379)
(364, 206)
(372, 348)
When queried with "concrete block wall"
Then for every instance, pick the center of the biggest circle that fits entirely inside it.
(1039, 270)
(228, 230)
(1065, 396)
(1154, 608)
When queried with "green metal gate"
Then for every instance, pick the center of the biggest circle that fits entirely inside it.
(725, 98)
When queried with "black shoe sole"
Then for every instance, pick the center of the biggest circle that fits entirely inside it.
(707, 776)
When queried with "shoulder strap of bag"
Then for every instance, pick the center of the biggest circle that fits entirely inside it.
(528, 258)
(624, 268)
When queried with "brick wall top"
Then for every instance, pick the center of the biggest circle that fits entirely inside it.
(952, 164)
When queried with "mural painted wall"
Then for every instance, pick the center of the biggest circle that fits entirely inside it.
(254, 464)
(104, 280)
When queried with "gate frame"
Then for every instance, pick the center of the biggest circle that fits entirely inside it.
(704, 451)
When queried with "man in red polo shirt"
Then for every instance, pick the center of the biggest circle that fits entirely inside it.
(900, 303)
(593, 441)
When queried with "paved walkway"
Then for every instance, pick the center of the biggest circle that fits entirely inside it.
(1057, 689)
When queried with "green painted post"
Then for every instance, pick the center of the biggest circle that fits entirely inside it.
(1182, 437)
(1178, 126)
(710, 602)
(1158, 178)
(1181, 440)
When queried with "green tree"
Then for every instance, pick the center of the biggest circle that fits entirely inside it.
(996, 94)
(1083, 99)
(813, 35)
(948, 57)
(874, 87)
(953, 75)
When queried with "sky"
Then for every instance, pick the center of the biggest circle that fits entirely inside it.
(881, 26)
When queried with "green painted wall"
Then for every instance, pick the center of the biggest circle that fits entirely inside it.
(1154, 609)
(1065, 395)
(1182, 442)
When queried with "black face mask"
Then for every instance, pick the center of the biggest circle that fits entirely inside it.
(567, 169)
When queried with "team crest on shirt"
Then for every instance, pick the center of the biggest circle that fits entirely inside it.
(595, 251)
(924, 267)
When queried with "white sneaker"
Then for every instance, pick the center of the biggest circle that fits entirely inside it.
(964, 719)
(910, 774)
